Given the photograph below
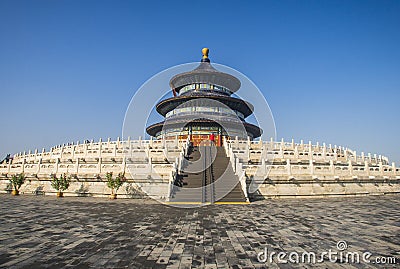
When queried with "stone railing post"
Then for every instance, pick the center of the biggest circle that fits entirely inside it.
(77, 166)
(73, 148)
(331, 167)
(170, 185)
(100, 147)
(296, 152)
(232, 160)
(99, 168)
(350, 165)
(311, 167)
(56, 166)
(263, 167)
(236, 164)
(38, 168)
(248, 153)
(23, 165)
(242, 180)
(123, 164)
(150, 165)
(86, 149)
(61, 151)
(380, 168)
(178, 162)
(288, 167)
(366, 165)
(394, 169)
(164, 142)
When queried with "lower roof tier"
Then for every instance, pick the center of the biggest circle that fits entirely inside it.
(230, 126)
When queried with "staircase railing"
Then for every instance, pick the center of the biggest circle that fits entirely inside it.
(204, 198)
(212, 176)
(237, 168)
(242, 180)
(177, 168)
(171, 182)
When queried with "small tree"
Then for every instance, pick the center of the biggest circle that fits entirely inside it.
(115, 184)
(60, 184)
(16, 182)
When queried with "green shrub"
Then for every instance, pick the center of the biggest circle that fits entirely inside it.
(115, 183)
(60, 184)
(17, 181)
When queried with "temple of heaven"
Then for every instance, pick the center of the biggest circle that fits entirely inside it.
(203, 106)
(180, 165)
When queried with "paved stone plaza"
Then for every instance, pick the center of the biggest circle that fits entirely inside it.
(46, 232)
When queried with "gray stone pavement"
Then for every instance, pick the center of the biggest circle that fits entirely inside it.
(80, 232)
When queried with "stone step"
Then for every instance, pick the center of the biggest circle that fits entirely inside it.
(220, 167)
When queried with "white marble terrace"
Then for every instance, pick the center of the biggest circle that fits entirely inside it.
(153, 164)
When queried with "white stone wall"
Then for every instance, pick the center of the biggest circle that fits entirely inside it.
(148, 166)
(281, 169)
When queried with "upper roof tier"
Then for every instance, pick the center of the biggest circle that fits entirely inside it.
(205, 73)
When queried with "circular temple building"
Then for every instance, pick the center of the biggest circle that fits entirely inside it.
(203, 107)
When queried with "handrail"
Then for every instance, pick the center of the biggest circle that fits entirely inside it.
(237, 168)
(243, 184)
(172, 178)
(212, 179)
(178, 167)
(203, 198)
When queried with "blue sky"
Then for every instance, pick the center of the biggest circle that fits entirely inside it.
(330, 70)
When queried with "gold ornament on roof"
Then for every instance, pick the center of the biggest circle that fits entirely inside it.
(205, 52)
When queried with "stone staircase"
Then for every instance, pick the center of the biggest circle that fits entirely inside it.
(208, 177)
(227, 187)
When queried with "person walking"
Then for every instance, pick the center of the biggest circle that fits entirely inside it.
(212, 137)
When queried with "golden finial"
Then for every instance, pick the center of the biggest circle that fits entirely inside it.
(205, 53)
